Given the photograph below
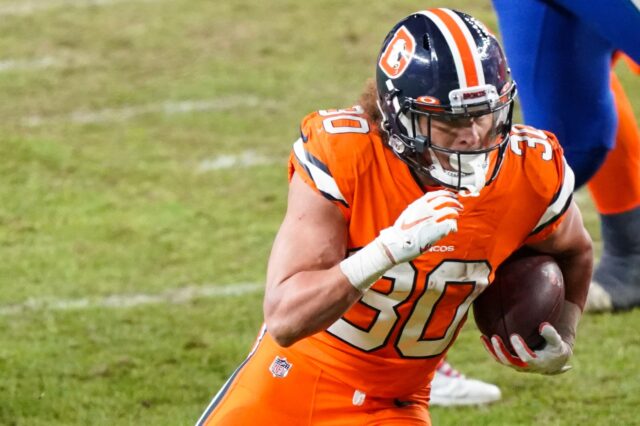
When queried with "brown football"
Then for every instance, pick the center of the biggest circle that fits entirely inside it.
(528, 290)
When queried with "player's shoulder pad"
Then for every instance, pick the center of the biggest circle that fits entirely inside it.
(544, 169)
(333, 147)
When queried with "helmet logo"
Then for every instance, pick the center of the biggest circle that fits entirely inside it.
(398, 54)
(428, 100)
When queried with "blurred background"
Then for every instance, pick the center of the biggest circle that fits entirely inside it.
(143, 155)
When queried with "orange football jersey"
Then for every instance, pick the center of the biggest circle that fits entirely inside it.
(389, 343)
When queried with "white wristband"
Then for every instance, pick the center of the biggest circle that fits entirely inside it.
(366, 266)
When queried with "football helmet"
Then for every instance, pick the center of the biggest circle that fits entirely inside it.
(444, 66)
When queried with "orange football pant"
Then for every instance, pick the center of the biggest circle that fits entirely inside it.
(615, 188)
(296, 392)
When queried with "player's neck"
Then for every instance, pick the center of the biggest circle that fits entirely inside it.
(426, 182)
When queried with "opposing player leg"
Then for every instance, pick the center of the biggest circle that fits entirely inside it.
(615, 190)
(560, 56)
(616, 21)
(561, 65)
(451, 388)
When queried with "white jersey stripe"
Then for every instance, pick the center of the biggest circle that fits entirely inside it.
(472, 44)
(561, 201)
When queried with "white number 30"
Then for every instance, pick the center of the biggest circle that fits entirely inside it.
(350, 120)
(533, 137)
(432, 320)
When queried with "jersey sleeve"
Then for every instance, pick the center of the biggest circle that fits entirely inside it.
(327, 160)
(550, 174)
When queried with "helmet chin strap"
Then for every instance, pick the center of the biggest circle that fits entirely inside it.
(474, 189)
(474, 168)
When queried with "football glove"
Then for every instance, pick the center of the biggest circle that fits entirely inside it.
(422, 223)
(551, 359)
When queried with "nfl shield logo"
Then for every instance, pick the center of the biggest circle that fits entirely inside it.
(280, 367)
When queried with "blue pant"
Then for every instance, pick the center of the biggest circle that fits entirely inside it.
(560, 53)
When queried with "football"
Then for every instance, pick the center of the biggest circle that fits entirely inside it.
(528, 290)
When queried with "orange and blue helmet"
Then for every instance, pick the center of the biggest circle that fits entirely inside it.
(443, 64)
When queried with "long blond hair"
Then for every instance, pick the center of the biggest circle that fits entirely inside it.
(368, 101)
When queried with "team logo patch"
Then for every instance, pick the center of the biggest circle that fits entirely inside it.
(398, 54)
(280, 367)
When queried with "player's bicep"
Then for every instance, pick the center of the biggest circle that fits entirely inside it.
(313, 235)
(570, 245)
(569, 236)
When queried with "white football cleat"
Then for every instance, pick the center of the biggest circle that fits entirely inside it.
(598, 300)
(449, 387)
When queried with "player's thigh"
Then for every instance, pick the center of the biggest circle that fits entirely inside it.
(411, 415)
(270, 387)
(338, 404)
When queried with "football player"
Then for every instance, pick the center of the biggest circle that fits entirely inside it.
(560, 53)
(400, 210)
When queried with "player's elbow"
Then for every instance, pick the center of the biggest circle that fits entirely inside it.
(584, 246)
(580, 254)
(278, 324)
(283, 339)
(280, 332)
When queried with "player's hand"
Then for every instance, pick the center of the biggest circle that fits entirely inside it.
(424, 222)
(551, 359)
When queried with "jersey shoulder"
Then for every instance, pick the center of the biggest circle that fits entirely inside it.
(333, 148)
(338, 136)
(535, 161)
(536, 158)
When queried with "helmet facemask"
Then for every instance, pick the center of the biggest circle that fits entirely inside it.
(466, 171)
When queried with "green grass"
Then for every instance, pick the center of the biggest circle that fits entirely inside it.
(120, 207)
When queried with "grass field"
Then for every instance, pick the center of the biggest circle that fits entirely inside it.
(143, 148)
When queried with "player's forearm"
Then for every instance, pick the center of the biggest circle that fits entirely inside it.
(568, 322)
(570, 245)
(306, 303)
(576, 270)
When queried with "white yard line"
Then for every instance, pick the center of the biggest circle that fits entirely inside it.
(127, 112)
(29, 7)
(120, 301)
(247, 158)
(60, 60)
(29, 64)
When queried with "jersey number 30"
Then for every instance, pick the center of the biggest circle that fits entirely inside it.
(418, 325)
(344, 120)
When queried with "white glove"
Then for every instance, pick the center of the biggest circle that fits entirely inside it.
(422, 223)
(551, 359)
